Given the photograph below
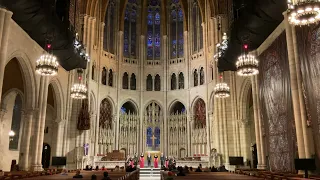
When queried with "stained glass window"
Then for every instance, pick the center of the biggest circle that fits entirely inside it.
(176, 29)
(149, 136)
(153, 30)
(149, 82)
(125, 81)
(109, 29)
(197, 27)
(157, 83)
(133, 82)
(181, 81)
(157, 136)
(130, 26)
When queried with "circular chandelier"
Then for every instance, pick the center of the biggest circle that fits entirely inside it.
(79, 90)
(247, 64)
(47, 65)
(221, 90)
(303, 12)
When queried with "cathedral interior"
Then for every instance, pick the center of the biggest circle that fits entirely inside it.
(88, 79)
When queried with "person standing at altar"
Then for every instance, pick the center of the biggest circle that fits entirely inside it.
(167, 162)
(141, 160)
(162, 159)
(149, 160)
(131, 163)
(155, 161)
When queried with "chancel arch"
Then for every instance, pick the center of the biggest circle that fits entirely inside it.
(177, 130)
(199, 133)
(152, 127)
(106, 126)
(129, 126)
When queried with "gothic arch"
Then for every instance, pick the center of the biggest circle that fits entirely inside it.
(132, 102)
(173, 103)
(58, 98)
(12, 93)
(211, 102)
(195, 100)
(111, 102)
(28, 75)
(155, 101)
(92, 102)
(243, 97)
(199, 113)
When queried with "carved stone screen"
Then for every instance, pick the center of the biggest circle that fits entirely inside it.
(276, 106)
(309, 55)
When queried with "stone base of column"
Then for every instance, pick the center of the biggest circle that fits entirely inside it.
(36, 167)
(261, 166)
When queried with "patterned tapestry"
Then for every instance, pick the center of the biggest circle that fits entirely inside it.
(200, 114)
(84, 117)
(105, 121)
(309, 55)
(276, 106)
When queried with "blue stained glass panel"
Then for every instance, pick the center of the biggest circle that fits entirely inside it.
(157, 135)
(149, 136)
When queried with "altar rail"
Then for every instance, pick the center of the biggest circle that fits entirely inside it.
(131, 176)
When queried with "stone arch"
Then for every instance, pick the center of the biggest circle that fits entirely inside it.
(173, 103)
(28, 75)
(58, 98)
(243, 97)
(195, 100)
(92, 102)
(111, 102)
(211, 102)
(151, 101)
(12, 93)
(136, 107)
(199, 114)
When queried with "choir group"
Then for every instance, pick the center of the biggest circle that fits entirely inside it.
(164, 160)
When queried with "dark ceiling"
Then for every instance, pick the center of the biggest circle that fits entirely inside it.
(40, 19)
(257, 19)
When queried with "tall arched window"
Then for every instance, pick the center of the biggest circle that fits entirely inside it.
(173, 81)
(176, 29)
(153, 30)
(130, 27)
(197, 27)
(201, 76)
(93, 69)
(181, 81)
(195, 78)
(133, 82)
(16, 123)
(104, 76)
(157, 83)
(110, 80)
(149, 82)
(109, 28)
(125, 81)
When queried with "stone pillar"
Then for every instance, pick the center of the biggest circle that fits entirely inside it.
(59, 142)
(142, 55)
(294, 89)
(165, 56)
(39, 125)
(225, 133)
(25, 139)
(5, 24)
(68, 114)
(308, 140)
(256, 119)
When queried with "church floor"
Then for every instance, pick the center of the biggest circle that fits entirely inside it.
(193, 176)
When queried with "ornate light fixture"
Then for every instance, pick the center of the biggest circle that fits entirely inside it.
(80, 49)
(221, 47)
(79, 90)
(247, 64)
(47, 64)
(11, 135)
(303, 12)
(221, 90)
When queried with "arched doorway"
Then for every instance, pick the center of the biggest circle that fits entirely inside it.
(46, 155)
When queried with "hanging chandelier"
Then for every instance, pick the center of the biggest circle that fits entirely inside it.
(247, 64)
(47, 64)
(303, 12)
(80, 49)
(79, 90)
(221, 47)
(221, 90)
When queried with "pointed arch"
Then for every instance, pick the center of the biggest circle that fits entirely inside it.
(199, 113)
(104, 76)
(58, 98)
(133, 83)
(157, 83)
(125, 81)
(110, 78)
(106, 114)
(149, 82)
(181, 80)
(246, 88)
(173, 81)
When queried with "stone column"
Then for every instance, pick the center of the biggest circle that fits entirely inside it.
(68, 114)
(5, 24)
(294, 89)
(25, 139)
(39, 125)
(165, 56)
(59, 142)
(225, 133)
(256, 120)
(142, 55)
(308, 140)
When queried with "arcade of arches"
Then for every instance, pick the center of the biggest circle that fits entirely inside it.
(151, 85)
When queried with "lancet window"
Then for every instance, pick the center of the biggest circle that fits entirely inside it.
(93, 69)
(201, 76)
(125, 81)
(153, 30)
(130, 29)
(109, 29)
(195, 78)
(104, 76)
(157, 83)
(176, 29)
(133, 82)
(110, 78)
(173, 81)
(197, 27)
(181, 81)
(149, 82)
